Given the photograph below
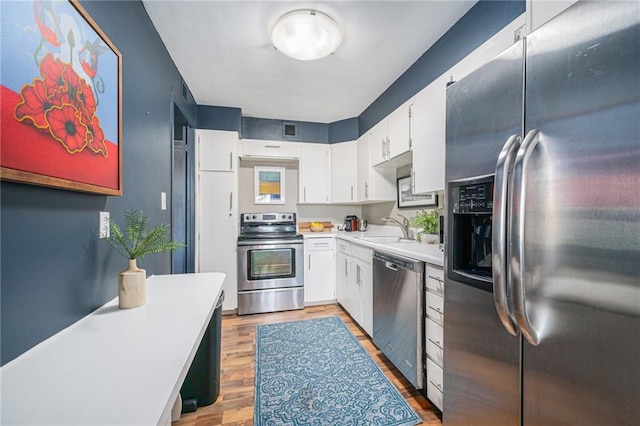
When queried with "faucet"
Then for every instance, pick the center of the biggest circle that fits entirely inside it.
(404, 225)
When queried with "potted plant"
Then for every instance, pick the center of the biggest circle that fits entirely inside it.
(427, 225)
(138, 242)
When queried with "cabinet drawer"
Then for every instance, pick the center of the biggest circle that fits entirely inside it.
(435, 307)
(435, 280)
(315, 244)
(264, 148)
(361, 252)
(434, 384)
(344, 246)
(434, 342)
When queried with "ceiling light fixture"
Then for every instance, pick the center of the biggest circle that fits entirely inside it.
(306, 34)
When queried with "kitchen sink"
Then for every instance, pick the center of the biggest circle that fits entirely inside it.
(385, 239)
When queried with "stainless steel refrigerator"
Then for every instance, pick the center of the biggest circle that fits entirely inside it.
(542, 285)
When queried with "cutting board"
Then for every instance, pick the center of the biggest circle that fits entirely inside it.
(306, 226)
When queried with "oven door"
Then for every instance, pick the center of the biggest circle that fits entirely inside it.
(267, 265)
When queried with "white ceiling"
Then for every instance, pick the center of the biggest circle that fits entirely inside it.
(223, 52)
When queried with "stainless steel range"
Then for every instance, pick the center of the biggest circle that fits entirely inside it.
(270, 263)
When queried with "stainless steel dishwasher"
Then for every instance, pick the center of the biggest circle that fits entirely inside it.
(398, 285)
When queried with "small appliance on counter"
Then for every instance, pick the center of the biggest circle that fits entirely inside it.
(351, 223)
(362, 225)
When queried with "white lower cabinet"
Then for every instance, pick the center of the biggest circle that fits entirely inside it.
(364, 298)
(355, 283)
(433, 329)
(343, 273)
(320, 267)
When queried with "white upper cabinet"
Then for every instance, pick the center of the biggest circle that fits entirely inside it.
(343, 173)
(315, 173)
(270, 149)
(541, 11)
(429, 138)
(429, 112)
(217, 150)
(378, 138)
(373, 184)
(399, 125)
(391, 138)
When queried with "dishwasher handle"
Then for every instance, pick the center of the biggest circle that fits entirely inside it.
(394, 262)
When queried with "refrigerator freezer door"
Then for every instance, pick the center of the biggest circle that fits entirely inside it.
(582, 218)
(481, 359)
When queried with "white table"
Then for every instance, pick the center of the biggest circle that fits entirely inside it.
(114, 366)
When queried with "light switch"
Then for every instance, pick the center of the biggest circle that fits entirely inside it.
(163, 200)
(105, 231)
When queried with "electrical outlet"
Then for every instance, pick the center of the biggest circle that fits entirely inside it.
(105, 229)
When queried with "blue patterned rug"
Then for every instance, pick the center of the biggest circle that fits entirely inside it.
(315, 372)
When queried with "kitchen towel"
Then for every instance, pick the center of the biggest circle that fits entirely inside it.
(315, 372)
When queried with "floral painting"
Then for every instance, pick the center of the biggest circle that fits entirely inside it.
(60, 98)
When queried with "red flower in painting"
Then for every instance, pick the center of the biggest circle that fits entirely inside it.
(72, 79)
(34, 104)
(86, 98)
(52, 70)
(46, 21)
(96, 141)
(67, 128)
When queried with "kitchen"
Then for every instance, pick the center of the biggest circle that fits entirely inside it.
(18, 200)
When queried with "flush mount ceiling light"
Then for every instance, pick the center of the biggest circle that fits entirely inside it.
(306, 34)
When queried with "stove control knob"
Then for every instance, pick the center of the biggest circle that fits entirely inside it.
(283, 216)
(290, 217)
(247, 217)
(254, 216)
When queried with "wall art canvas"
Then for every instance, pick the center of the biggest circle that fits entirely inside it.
(268, 184)
(60, 98)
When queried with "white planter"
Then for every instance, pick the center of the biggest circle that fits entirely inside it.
(132, 286)
(429, 238)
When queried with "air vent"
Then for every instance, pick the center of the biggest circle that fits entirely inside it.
(290, 130)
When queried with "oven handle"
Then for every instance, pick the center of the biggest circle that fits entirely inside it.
(267, 244)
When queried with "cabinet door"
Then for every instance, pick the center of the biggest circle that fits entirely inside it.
(321, 284)
(217, 150)
(539, 12)
(378, 143)
(363, 167)
(400, 131)
(366, 297)
(343, 264)
(355, 283)
(429, 123)
(315, 173)
(217, 227)
(270, 149)
(343, 174)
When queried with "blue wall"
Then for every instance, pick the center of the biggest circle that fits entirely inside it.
(478, 25)
(219, 118)
(54, 270)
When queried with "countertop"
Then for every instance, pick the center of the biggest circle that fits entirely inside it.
(114, 366)
(429, 253)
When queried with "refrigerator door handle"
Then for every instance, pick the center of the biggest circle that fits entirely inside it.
(517, 273)
(499, 235)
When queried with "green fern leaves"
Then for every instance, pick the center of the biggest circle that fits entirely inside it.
(136, 242)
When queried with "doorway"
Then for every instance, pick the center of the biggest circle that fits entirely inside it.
(182, 200)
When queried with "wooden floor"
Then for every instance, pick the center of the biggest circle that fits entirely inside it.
(235, 403)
